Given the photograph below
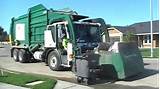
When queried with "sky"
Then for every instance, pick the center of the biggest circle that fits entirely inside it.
(114, 12)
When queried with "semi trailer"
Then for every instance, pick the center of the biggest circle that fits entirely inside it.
(67, 39)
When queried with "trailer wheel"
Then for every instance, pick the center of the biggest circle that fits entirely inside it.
(22, 56)
(15, 55)
(54, 61)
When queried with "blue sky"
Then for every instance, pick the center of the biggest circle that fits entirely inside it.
(114, 12)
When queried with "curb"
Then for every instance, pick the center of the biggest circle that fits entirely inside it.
(9, 86)
(150, 58)
(67, 85)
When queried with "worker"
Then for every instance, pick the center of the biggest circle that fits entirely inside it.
(65, 42)
(64, 39)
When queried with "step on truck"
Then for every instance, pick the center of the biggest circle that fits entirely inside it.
(66, 39)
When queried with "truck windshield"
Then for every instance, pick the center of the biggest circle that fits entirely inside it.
(87, 33)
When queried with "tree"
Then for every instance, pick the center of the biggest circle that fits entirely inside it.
(129, 37)
(3, 35)
(1, 30)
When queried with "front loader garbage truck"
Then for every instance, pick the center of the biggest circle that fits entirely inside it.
(42, 34)
(66, 39)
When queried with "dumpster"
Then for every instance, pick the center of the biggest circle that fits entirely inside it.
(120, 61)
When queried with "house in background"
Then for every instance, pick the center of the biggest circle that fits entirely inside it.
(143, 34)
(140, 30)
(117, 33)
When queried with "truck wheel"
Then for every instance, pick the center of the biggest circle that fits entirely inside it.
(79, 79)
(54, 61)
(22, 56)
(15, 55)
(88, 81)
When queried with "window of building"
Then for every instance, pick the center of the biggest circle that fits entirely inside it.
(147, 39)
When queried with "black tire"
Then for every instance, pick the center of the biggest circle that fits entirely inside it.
(87, 81)
(15, 55)
(54, 61)
(22, 56)
(79, 79)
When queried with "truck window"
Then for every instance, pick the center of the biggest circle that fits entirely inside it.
(86, 33)
(53, 32)
(62, 31)
(62, 35)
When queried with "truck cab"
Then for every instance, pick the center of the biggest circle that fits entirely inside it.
(81, 36)
(53, 36)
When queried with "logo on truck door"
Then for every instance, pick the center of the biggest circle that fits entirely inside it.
(20, 32)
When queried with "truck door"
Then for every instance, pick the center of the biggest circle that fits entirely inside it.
(65, 47)
(50, 37)
(54, 34)
(62, 33)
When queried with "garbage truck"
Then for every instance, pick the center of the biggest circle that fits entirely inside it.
(63, 38)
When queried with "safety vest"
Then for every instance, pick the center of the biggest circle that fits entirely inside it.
(64, 42)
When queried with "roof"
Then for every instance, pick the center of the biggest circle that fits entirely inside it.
(139, 28)
(144, 27)
(124, 29)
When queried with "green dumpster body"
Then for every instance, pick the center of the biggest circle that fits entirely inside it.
(126, 63)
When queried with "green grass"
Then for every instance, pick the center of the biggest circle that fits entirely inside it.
(21, 79)
(146, 52)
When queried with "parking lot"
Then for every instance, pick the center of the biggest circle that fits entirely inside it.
(146, 80)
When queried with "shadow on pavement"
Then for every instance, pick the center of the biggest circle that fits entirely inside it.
(118, 86)
(144, 74)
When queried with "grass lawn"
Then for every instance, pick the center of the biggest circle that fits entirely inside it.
(146, 52)
(21, 79)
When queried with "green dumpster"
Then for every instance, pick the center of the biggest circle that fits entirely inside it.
(122, 64)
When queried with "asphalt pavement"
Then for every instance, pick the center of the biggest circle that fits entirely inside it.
(146, 80)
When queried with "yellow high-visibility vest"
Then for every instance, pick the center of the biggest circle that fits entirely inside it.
(64, 42)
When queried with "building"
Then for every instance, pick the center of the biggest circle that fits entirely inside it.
(117, 33)
(141, 31)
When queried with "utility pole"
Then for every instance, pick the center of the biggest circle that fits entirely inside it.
(159, 31)
(151, 27)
